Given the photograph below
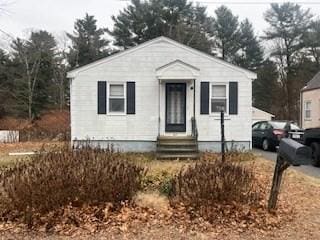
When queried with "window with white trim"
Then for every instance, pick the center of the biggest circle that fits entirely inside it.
(307, 109)
(219, 98)
(116, 98)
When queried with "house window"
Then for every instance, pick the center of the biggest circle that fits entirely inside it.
(307, 110)
(219, 98)
(116, 98)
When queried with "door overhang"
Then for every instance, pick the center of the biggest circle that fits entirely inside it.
(177, 71)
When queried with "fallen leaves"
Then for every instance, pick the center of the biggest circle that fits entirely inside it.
(297, 216)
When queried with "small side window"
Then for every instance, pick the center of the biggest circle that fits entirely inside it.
(219, 98)
(116, 98)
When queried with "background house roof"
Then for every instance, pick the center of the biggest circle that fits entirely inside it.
(314, 83)
(254, 110)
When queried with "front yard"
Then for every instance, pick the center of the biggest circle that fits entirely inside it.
(152, 216)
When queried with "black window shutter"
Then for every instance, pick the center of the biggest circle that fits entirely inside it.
(233, 98)
(102, 97)
(131, 97)
(204, 98)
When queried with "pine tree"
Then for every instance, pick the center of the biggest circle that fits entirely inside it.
(6, 83)
(266, 88)
(144, 20)
(88, 43)
(34, 71)
(288, 27)
(226, 33)
(312, 41)
(250, 55)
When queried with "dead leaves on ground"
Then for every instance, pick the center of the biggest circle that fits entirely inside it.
(74, 221)
(88, 220)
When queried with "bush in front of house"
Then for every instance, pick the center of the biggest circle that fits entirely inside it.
(207, 186)
(62, 177)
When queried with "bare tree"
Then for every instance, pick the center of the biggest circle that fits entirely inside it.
(60, 69)
(31, 65)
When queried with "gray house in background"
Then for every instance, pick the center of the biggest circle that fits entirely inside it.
(161, 96)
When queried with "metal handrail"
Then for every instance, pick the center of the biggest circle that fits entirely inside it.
(194, 128)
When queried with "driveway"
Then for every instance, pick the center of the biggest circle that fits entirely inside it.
(308, 170)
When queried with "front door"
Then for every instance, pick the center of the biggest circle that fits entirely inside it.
(175, 107)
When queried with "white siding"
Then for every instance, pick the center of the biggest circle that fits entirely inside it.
(140, 66)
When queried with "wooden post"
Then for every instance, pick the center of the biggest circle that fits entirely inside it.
(222, 137)
(281, 165)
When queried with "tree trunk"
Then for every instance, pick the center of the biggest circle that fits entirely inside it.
(223, 51)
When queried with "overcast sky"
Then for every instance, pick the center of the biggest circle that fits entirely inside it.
(57, 16)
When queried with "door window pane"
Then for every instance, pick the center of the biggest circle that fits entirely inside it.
(175, 104)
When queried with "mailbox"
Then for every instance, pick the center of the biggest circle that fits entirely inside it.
(290, 152)
(294, 153)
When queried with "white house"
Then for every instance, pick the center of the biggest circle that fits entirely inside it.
(158, 94)
(260, 115)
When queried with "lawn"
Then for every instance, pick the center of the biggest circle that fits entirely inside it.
(297, 216)
(22, 147)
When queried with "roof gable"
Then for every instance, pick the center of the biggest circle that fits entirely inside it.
(75, 72)
(314, 83)
(177, 70)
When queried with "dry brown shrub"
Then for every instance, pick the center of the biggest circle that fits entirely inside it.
(83, 176)
(51, 125)
(211, 186)
(10, 123)
(54, 124)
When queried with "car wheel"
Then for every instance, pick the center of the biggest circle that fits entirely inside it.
(315, 154)
(265, 144)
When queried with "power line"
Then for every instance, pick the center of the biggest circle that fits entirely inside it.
(257, 3)
(249, 2)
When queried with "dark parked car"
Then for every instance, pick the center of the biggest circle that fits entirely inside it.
(311, 138)
(267, 134)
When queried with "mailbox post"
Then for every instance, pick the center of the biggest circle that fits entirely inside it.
(223, 144)
(290, 153)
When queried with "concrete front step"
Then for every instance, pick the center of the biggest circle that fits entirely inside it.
(177, 149)
(178, 143)
(178, 156)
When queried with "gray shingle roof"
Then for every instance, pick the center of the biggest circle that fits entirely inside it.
(313, 83)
